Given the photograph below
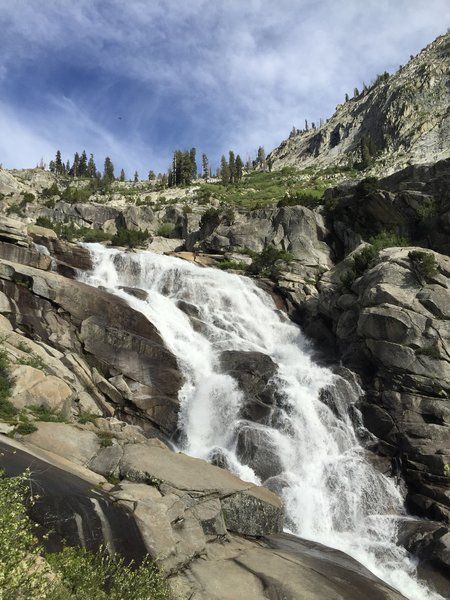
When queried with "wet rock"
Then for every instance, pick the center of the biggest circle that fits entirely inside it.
(256, 448)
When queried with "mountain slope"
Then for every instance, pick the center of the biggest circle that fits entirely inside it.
(403, 118)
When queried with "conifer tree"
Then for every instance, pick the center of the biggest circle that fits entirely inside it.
(224, 171)
(91, 168)
(151, 175)
(82, 167)
(193, 163)
(108, 171)
(239, 168)
(68, 168)
(232, 167)
(51, 166)
(58, 162)
(136, 177)
(205, 167)
(122, 175)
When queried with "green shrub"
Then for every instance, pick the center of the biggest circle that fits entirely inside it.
(265, 263)
(86, 417)
(233, 265)
(308, 199)
(33, 360)
(387, 240)
(27, 197)
(51, 191)
(130, 237)
(73, 573)
(49, 415)
(45, 222)
(423, 264)
(105, 438)
(7, 409)
(366, 186)
(210, 217)
(25, 427)
(72, 194)
(93, 235)
(165, 229)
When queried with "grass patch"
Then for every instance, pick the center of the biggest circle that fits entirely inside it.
(105, 438)
(49, 415)
(33, 360)
(232, 265)
(86, 417)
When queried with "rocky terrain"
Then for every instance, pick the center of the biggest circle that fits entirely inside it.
(403, 117)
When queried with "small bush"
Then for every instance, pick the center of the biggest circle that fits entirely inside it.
(33, 360)
(130, 238)
(86, 417)
(307, 199)
(105, 438)
(366, 186)
(424, 264)
(387, 240)
(45, 222)
(51, 191)
(165, 230)
(233, 265)
(94, 235)
(210, 217)
(265, 263)
(7, 409)
(49, 415)
(25, 427)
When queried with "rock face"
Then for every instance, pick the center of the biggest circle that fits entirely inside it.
(392, 328)
(78, 320)
(403, 117)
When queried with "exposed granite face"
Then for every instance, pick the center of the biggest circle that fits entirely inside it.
(392, 327)
(404, 116)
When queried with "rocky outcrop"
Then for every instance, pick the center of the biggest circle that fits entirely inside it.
(392, 328)
(133, 368)
(403, 119)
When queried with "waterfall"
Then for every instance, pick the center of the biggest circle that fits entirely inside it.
(332, 493)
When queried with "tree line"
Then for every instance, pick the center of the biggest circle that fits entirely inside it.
(182, 171)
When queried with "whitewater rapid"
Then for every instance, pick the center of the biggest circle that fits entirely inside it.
(332, 493)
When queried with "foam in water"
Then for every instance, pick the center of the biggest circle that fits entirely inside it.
(332, 494)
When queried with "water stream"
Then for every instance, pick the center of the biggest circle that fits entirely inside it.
(332, 493)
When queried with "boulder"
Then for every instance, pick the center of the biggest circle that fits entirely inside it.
(32, 387)
(68, 441)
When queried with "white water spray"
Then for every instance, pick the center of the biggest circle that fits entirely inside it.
(333, 495)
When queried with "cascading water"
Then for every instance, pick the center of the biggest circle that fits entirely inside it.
(332, 494)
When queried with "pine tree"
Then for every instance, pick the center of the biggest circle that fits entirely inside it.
(91, 168)
(306, 125)
(355, 92)
(224, 171)
(151, 176)
(136, 177)
(51, 166)
(232, 167)
(205, 167)
(122, 175)
(68, 168)
(108, 171)
(58, 162)
(82, 167)
(347, 98)
(193, 163)
(239, 168)
(75, 166)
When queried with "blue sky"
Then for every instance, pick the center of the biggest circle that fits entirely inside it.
(135, 79)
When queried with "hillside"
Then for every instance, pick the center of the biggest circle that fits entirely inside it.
(403, 118)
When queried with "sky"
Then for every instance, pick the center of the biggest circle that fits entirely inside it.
(136, 79)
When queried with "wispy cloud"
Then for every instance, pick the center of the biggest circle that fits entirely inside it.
(136, 79)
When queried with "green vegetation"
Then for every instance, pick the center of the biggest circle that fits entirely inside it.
(72, 574)
(165, 229)
(105, 438)
(86, 417)
(33, 360)
(423, 264)
(232, 265)
(267, 262)
(7, 409)
(132, 238)
(368, 256)
(49, 415)
(69, 232)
